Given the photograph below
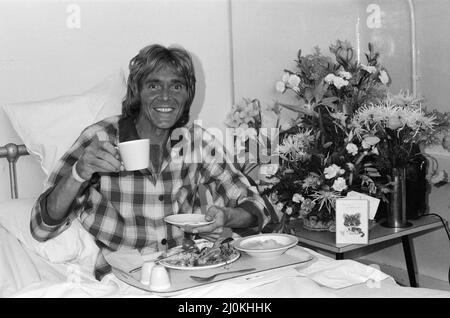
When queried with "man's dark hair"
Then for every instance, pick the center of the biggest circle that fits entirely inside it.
(150, 59)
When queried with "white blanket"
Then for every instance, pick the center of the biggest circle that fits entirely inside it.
(24, 274)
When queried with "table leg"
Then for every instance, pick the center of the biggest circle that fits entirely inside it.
(407, 249)
(339, 256)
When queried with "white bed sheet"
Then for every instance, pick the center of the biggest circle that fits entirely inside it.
(25, 274)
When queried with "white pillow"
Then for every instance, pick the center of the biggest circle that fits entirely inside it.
(75, 244)
(48, 128)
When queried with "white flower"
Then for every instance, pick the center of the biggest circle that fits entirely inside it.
(294, 80)
(336, 80)
(244, 133)
(333, 171)
(370, 141)
(330, 78)
(350, 166)
(285, 77)
(339, 184)
(375, 151)
(344, 74)
(297, 198)
(352, 149)
(368, 68)
(288, 210)
(280, 87)
(339, 82)
(384, 78)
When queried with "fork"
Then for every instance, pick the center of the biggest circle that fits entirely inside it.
(209, 278)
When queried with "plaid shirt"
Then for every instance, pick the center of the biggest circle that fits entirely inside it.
(127, 209)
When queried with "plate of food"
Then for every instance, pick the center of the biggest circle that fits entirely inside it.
(205, 256)
(269, 245)
(187, 219)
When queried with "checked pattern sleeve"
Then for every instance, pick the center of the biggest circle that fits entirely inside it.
(41, 226)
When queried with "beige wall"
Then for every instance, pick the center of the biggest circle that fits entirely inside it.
(267, 35)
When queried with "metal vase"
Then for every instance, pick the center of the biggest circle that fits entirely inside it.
(396, 215)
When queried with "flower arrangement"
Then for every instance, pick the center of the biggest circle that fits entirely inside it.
(319, 162)
(347, 134)
(313, 174)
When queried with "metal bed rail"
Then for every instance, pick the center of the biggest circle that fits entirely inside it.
(12, 152)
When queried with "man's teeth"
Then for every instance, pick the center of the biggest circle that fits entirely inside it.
(164, 109)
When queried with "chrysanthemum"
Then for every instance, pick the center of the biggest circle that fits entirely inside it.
(312, 181)
(375, 115)
(405, 98)
(294, 146)
(327, 198)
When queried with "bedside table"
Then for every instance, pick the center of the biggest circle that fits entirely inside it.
(377, 234)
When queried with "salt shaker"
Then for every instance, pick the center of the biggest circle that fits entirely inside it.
(159, 278)
(146, 272)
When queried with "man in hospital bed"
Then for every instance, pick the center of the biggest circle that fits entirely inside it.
(125, 209)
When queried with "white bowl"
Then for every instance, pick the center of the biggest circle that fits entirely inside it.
(266, 246)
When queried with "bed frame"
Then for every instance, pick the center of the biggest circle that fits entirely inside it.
(12, 152)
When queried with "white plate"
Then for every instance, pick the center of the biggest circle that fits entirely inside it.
(200, 244)
(187, 220)
(267, 246)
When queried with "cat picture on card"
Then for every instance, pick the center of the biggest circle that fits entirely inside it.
(352, 222)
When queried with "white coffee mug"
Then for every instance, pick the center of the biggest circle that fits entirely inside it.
(135, 154)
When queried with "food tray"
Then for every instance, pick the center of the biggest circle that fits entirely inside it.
(180, 279)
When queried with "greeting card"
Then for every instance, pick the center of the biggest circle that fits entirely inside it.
(352, 219)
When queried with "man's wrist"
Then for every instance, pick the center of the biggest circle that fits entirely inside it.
(254, 214)
(226, 216)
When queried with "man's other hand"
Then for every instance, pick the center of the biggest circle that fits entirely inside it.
(212, 231)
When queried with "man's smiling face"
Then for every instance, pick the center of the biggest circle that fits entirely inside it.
(163, 97)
